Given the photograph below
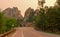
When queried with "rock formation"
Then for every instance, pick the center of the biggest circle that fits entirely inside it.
(13, 12)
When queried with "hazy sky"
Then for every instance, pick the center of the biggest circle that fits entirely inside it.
(22, 4)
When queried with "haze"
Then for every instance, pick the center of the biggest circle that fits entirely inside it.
(23, 4)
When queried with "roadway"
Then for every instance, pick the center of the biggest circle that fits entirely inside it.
(30, 32)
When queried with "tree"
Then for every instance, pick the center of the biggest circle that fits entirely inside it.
(58, 2)
(49, 21)
(53, 19)
(1, 22)
(40, 20)
(11, 22)
(6, 23)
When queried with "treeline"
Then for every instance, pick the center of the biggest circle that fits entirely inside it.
(6, 24)
(48, 20)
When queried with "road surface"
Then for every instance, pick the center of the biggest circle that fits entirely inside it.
(30, 32)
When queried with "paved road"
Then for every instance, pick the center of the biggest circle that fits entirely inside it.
(30, 32)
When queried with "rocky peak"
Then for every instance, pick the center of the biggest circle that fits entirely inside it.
(27, 13)
(13, 12)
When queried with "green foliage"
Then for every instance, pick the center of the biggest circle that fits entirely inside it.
(6, 24)
(49, 21)
(40, 20)
(1, 22)
(10, 23)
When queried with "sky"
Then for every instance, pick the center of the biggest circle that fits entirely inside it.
(23, 4)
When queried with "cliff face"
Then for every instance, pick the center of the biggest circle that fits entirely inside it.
(28, 17)
(28, 12)
(12, 12)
